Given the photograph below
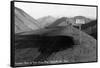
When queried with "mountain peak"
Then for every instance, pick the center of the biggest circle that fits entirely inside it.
(24, 22)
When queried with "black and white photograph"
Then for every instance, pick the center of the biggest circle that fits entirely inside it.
(53, 33)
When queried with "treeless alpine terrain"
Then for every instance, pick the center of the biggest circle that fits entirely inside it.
(55, 43)
(60, 45)
(84, 50)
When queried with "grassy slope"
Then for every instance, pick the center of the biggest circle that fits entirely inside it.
(84, 52)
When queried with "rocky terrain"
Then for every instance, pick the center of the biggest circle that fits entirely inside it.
(26, 28)
(84, 51)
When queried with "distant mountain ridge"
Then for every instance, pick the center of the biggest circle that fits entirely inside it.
(58, 22)
(45, 21)
(65, 21)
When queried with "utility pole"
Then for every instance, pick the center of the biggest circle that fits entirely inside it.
(80, 22)
(80, 32)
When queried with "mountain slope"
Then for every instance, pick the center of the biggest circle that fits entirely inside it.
(61, 22)
(82, 52)
(90, 28)
(24, 22)
(45, 21)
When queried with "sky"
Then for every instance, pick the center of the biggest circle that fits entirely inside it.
(37, 10)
